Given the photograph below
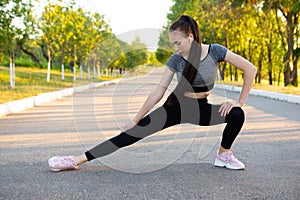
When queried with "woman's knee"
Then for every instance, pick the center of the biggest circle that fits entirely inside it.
(237, 114)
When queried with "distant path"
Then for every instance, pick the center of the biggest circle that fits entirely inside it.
(269, 145)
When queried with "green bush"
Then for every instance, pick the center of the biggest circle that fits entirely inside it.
(25, 62)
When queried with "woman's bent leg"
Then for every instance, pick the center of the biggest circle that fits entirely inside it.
(235, 120)
(210, 115)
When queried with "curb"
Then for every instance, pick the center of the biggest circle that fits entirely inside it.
(30, 102)
(261, 93)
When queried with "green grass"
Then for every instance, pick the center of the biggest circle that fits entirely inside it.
(265, 86)
(32, 81)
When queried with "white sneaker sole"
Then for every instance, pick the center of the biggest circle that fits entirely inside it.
(57, 170)
(219, 163)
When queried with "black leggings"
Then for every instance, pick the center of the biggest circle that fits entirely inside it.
(192, 111)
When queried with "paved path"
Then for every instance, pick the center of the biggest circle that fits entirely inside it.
(172, 164)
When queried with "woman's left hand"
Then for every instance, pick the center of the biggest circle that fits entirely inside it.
(227, 106)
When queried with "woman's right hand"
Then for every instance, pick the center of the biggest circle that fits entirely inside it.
(128, 126)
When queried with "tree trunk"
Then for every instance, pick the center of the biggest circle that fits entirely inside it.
(236, 75)
(94, 69)
(282, 41)
(222, 71)
(74, 67)
(230, 72)
(12, 71)
(32, 55)
(287, 74)
(286, 60)
(295, 56)
(295, 71)
(62, 63)
(44, 49)
(279, 75)
(270, 63)
(49, 63)
(80, 72)
(261, 56)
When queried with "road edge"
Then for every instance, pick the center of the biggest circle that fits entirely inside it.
(30, 102)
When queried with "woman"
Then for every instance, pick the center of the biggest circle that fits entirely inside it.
(195, 65)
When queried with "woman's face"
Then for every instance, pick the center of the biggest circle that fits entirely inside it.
(181, 42)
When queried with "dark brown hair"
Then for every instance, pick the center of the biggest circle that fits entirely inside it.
(186, 24)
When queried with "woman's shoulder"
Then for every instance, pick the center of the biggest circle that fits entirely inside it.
(175, 62)
(217, 47)
(218, 51)
(175, 56)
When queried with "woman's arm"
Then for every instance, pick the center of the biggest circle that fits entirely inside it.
(249, 74)
(154, 97)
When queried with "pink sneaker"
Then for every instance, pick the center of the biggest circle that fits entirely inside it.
(59, 163)
(228, 160)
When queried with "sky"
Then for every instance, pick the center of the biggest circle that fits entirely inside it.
(127, 18)
(127, 15)
(131, 18)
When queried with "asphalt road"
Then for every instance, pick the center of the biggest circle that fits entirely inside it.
(173, 164)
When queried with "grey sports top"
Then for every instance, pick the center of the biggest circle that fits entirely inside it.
(207, 69)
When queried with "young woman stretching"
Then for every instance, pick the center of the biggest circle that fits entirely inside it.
(195, 65)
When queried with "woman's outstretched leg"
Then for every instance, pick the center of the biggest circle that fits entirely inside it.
(157, 120)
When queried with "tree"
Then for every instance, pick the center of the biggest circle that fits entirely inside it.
(48, 21)
(137, 55)
(70, 34)
(11, 12)
(165, 48)
(26, 40)
(96, 30)
(290, 10)
(264, 32)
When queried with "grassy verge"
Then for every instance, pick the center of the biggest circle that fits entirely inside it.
(32, 81)
(271, 88)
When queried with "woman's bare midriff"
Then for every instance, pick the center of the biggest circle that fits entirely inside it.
(197, 95)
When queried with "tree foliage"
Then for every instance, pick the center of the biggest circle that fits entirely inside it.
(266, 32)
(11, 31)
(64, 34)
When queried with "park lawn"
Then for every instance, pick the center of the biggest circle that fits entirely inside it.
(265, 86)
(32, 81)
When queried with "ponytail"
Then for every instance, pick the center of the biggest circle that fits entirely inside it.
(187, 25)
